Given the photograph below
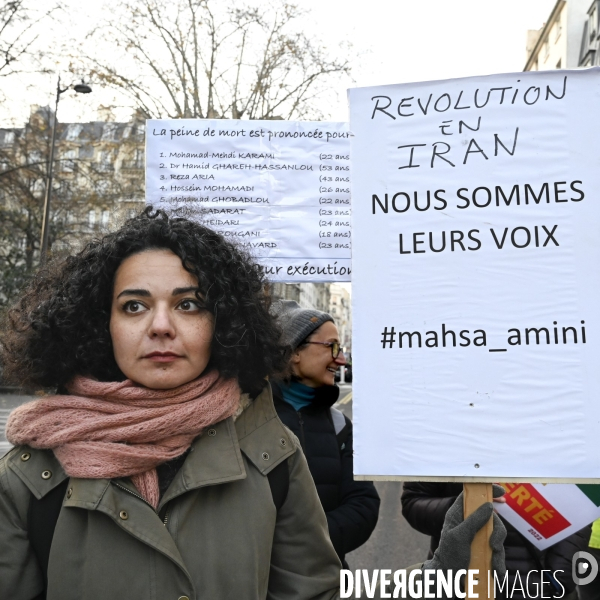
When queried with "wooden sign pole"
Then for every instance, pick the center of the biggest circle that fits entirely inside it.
(476, 494)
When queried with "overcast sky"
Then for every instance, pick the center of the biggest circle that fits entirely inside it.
(396, 41)
(417, 40)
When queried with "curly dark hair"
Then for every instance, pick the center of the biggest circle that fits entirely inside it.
(60, 326)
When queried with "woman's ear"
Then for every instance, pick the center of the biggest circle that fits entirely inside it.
(295, 357)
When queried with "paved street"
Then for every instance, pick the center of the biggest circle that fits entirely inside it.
(394, 544)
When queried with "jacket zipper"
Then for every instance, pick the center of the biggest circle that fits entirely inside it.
(301, 421)
(165, 520)
(134, 494)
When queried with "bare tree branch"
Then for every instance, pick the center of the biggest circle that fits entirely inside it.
(20, 22)
(80, 185)
(206, 59)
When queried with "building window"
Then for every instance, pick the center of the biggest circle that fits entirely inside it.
(86, 151)
(68, 162)
(139, 158)
(106, 161)
(38, 187)
(593, 24)
(545, 51)
(109, 132)
(557, 29)
(92, 218)
(73, 131)
(105, 217)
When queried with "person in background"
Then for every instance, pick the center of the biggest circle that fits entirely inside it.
(304, 403)
(424, 505)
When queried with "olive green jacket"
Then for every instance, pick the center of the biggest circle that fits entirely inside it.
(221, 535)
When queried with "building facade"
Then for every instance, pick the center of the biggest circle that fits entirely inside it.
(341, 310)
(98, 180)
(307, 295)
(590, 42)
(557, 45)
(98, 172)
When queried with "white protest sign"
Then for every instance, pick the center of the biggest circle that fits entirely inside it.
(279, 188)
(546, 514)
(476, 278)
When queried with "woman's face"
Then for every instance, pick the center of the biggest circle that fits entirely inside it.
(161, 334)
(314, 364)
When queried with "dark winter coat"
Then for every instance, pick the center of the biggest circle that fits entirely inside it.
(424, 506)
(351, 507)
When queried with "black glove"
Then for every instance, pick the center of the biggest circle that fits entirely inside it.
(454, 550)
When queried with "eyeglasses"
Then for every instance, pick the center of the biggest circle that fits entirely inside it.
(335, 347)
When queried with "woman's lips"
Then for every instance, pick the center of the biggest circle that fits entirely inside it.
(162, 357)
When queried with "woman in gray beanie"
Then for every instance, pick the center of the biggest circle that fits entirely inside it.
(305, 405)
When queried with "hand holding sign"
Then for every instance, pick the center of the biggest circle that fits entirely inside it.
(454, 551)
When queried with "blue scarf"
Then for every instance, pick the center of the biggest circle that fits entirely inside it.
(297, 394)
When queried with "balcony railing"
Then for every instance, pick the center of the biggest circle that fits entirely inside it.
(132, 165)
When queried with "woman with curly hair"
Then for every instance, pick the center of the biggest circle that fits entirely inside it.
(158, 469)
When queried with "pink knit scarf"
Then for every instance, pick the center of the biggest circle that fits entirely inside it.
(106, 430)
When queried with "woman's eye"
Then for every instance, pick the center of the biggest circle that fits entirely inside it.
(189, 305)
(133, 306)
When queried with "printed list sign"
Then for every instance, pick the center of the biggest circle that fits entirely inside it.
(476, 254)
(281, 189)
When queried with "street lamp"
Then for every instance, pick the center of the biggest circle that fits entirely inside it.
(80, 88)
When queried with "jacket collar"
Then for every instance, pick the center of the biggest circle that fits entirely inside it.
(325, 396)
(215, 457)
(39, 470)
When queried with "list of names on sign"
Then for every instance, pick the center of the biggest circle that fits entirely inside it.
(281, 189)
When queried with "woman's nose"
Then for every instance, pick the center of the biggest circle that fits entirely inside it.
(162, 324)
(341, 359)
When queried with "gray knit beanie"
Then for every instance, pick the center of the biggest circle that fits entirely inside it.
(297, 323)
